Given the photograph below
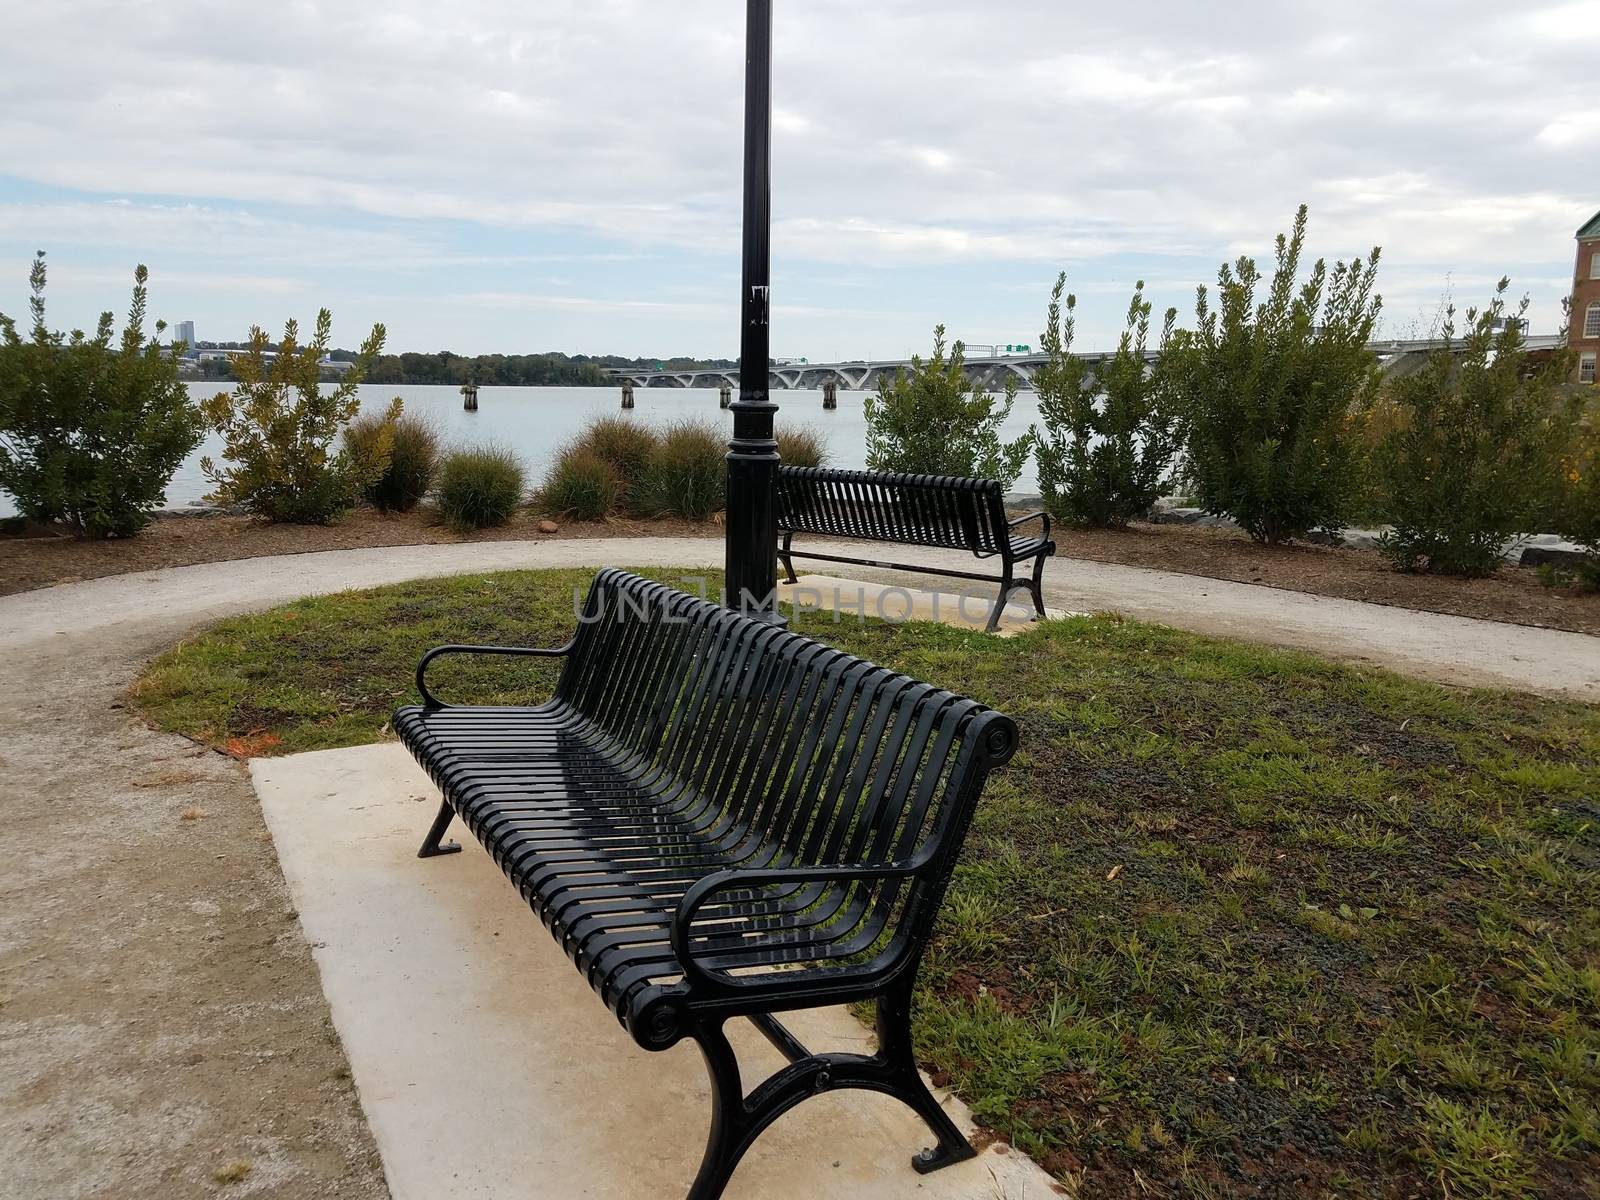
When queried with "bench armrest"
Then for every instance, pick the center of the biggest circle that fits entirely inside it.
(1041, 515)
(702, 891)
(431, 701)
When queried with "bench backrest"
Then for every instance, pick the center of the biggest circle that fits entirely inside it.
(778, 741)
(947, 511)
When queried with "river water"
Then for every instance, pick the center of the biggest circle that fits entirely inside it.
(537, 422)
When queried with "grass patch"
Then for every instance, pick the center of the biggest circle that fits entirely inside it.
(1235, 922)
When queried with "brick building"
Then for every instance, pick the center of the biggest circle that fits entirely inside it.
(1585, 334)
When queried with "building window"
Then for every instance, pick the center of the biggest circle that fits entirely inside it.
(1594, 266)
(1591, 322)
(1586, 369)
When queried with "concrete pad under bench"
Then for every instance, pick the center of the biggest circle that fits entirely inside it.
(487, 1067)
(892, 602)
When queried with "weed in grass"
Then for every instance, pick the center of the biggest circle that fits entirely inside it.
(1472, 1152)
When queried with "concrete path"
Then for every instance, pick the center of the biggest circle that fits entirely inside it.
(486, 1063)
(1432, 646)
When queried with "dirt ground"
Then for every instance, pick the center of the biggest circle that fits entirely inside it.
(163, 1032)
(1514, 595)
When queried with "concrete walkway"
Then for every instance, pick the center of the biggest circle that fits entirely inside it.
(484, 1061)
(1433, 646)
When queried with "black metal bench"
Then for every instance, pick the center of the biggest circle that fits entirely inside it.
(718, 818)
(940, 511)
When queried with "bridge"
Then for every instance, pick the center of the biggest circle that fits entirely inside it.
(987, 372)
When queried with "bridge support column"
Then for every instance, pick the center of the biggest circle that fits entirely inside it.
(627, 395)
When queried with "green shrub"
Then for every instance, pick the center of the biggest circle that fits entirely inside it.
(1578, 511)
(1472, 448)
(90, 433)
(1108, 438)
(802, 446)
(688, 474)
(931, 421)
(413, 460)
(1267, 396)
(280, 430)
(479, 488)
(581, 485)
(624, 445)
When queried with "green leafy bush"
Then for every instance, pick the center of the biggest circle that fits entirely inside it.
(413, 457)
(1108, 437)
(1472, 448)
(281, 431)
(1268, 396)
(802, 446)
(1578, 510)
(479, 488)
(930, 421)
(90, 432)
(581, 485)
(688, 474)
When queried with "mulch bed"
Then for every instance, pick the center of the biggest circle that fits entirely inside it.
(1513, 594)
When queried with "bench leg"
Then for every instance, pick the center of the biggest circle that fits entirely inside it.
(894, 1047)
(432, 847)
(737, 1120)
(1037, 588)
(1007, 585)
(730, 1134)
(788, 563)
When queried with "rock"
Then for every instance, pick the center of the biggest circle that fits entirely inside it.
(1361, 539)
(548, 526)
(23, 529)
(1564, 555)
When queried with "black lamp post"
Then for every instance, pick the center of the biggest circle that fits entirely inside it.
(752, 526)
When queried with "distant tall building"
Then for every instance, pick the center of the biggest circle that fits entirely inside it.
(1584, 337)
(183, 332)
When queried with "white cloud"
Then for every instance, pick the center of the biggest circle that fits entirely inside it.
(909, 134)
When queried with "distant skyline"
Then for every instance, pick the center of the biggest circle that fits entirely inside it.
(504, 178)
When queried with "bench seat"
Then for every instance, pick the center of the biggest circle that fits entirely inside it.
(604, 854)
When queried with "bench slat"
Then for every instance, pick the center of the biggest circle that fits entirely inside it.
(684, 741)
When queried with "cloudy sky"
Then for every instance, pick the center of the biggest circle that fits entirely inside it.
(490, 175)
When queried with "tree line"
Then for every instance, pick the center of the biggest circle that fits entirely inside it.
(444, 367)
(552, 369)
(1272, 412)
